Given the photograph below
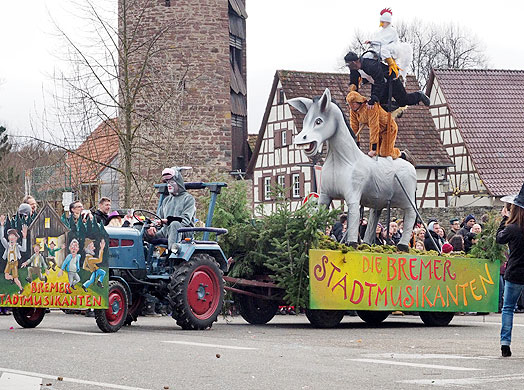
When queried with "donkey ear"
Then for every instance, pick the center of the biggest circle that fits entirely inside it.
(324, 100)
(302, 104)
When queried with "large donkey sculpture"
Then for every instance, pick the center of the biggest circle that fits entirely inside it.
(352, 175)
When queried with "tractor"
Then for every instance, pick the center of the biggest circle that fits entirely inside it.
(187, 279)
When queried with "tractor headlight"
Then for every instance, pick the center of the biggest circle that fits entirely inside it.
(175, 248)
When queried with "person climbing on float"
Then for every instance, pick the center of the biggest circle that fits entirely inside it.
(387, 45)
(382, 128)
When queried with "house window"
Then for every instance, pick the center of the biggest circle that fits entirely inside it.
(283, 138)
(296, 185)
(280, 96)
(282, 181)
(267, 188)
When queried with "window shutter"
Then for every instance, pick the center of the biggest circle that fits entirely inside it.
(261, 189)
(289, 136)
(278, 139)
(302, 194)
(288, 186)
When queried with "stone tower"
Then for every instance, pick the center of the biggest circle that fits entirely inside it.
(192, 108)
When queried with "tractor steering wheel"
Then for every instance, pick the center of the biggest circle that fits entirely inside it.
(146, 216)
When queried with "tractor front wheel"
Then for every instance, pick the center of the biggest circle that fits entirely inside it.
(196, 292)
(28, 317)
(110, 320)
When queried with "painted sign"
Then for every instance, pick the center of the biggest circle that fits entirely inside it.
(379, 281)
(51, 264)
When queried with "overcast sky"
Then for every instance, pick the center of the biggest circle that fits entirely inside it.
(304, 35)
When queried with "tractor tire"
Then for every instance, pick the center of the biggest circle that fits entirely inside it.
(196, 292)
(434, 318)
(373, 317)
(110, 320)
(135, 309)
(256, 311)
(28, 317)
(324, 318)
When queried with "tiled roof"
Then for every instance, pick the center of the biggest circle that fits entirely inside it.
(101, 146)
(416, 129)
(488, 108)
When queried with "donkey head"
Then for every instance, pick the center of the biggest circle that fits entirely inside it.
(319, 123)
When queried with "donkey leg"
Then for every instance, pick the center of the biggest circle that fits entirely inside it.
(374, 215)
(353, 222)
(409, 220)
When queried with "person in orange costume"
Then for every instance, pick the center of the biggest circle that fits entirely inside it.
(381, 138)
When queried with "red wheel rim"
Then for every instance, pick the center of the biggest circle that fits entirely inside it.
(33, 314)
(115, 311)
(203, 292)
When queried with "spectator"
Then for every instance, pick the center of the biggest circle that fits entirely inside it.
(469, 240)
(338, 227)
(379, 236)
(102, 213)
(31, 201)
(400, 223)
(511, 232)
(429, 243)
(394, 235)
(447, 248)
(454, 227)
(421, 234)
(442, 236)
(457, 242)
(76, 210)
(362, 227)
(477, 229)
(419, 244)
(469, 221)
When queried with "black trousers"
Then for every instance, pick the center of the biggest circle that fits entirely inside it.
(399, 95)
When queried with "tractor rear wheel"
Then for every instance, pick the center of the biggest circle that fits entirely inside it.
(325, 318)
(28, 317)
(256, 311)
(196, 292)
(373, 317)
(110, 320)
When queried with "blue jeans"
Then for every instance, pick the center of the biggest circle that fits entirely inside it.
(511, 295)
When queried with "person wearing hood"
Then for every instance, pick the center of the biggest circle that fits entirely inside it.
(468, 223)
(511, 232)
(434, 244)
(179, 203)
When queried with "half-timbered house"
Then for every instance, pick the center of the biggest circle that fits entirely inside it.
(276, 160)
(480, 117)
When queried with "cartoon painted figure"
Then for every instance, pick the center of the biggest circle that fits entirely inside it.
(36, 262)
(72, 264)
(51, 254)
(91, 264)
(12, 252)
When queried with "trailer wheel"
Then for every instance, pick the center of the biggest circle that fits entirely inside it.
(373, 317)
(254, 310)
(110, 320)
(28, 317)
(324, 318)
(196, 292)
(434, 318)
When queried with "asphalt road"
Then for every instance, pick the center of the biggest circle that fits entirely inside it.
(287, 353)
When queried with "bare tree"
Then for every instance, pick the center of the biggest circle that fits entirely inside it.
(110, 73)
(434, 46)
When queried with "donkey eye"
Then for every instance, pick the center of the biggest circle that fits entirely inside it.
(318, 121)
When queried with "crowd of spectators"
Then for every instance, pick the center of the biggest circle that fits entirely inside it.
(461, 235)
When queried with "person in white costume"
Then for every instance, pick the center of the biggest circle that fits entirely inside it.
(386, 43)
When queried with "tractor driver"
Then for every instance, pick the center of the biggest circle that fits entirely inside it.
(179, 203)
